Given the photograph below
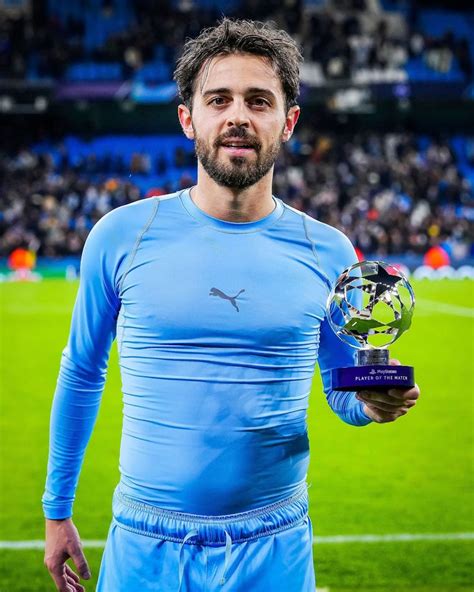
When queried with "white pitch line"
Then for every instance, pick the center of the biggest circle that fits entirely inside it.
(444, 307)
(39, 544)
(392, 538)
(318, 540)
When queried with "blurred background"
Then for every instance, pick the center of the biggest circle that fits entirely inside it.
(384, 151)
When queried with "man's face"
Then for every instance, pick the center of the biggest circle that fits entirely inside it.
(238, 119)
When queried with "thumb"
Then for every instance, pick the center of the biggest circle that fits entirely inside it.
(81, 563)
(394, 362)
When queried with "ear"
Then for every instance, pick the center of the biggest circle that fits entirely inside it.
(185, 119)
(290, 122)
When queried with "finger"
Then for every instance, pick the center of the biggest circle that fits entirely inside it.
(390, 402)
(396, 395)
(380, 406)
(381, 416)
(380, 398)
(73, 580)
(76, 586)
(80, 562)
(71, 573)
(391, 397)
(394, 362)
(59, 577)
(405, 394)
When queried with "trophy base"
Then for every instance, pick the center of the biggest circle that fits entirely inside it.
(374, 377)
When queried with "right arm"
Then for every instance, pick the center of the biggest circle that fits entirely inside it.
(76, 402)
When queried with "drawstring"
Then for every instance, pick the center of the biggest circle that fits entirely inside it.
(228, 549)
(190, 535)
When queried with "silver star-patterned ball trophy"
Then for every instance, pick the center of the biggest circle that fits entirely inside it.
(370, 306)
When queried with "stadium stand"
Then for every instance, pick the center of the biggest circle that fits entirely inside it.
(116, 39)
(391, 192)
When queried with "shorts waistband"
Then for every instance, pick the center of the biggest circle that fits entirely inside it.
(136, 516)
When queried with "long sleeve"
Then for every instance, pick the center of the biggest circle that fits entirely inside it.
(82, 374)
(334, 353)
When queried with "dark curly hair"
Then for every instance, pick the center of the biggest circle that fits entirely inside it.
(240, 36)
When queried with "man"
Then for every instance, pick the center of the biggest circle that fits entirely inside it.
(216, 295)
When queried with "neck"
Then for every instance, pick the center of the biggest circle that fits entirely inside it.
(233, 204)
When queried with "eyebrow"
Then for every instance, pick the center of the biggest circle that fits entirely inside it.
(252, 90)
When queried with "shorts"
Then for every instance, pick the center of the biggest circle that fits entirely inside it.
(268, 549)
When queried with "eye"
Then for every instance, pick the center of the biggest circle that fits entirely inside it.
(260, 102)
(217, 101)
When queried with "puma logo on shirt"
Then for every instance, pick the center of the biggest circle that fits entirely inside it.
(231, 299)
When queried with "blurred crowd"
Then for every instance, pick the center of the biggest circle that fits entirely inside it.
(347, 45)
(343, 39)
(50, 211)
(385, 193)
(388, 195)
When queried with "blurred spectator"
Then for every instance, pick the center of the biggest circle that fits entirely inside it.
(344, 37)
(382, 190)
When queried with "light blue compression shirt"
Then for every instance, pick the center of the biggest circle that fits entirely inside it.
(219, 326)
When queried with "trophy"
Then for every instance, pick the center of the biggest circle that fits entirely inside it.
(370, 306)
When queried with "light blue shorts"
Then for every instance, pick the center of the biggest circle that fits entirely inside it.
(268, 549)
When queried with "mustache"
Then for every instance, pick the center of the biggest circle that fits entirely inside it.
(238, 132)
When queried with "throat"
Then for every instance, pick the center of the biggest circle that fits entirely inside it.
(238, 207)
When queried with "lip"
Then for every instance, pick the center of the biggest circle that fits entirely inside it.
(237, 150)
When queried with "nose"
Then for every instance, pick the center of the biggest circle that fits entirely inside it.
(238, 116)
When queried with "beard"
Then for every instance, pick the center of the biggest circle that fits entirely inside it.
(242, 171)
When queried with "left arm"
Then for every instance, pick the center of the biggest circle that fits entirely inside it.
(335, 353)
(363, 407)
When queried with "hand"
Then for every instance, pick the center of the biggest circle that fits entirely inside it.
(62, 543)
(385, 406)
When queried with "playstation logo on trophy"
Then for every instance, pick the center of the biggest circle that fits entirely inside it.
(370, 306)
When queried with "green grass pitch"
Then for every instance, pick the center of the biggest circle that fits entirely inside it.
(412, 476)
